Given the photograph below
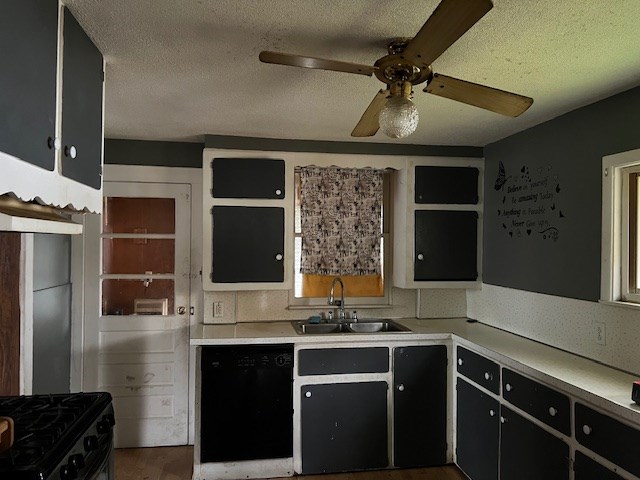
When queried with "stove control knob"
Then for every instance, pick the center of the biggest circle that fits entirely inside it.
(90, 443)
(77, 460)
(110, 419)
(68, 472)
(103, 426)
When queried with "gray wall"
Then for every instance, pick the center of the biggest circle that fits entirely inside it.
(542, 219)
(51, 313)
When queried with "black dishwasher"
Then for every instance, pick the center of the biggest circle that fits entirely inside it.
(246, 410)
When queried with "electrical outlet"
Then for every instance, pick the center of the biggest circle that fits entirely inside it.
(601, 333)
(218, 309)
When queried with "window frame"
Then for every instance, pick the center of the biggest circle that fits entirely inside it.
(362, 302)
(617, 244)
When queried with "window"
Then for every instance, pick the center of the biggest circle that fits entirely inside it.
(360, 289)
(621, 228)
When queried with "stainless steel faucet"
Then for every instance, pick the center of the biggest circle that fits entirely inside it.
(338, 303)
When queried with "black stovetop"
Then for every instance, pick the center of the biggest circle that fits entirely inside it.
(46, 427)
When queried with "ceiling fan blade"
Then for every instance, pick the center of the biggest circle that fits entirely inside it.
(489, 98)
(448, 22)
(312, 62)
(368, 124)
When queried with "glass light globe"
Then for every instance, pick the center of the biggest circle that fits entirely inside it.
(398, 118)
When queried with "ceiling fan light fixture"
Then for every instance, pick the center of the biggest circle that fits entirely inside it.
(398, 118)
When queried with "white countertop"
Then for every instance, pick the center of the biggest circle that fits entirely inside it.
(603, 386)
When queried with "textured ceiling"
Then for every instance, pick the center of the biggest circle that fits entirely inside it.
(179, 69)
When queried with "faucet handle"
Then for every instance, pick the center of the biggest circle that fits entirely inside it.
(330, 315)
(354, 316)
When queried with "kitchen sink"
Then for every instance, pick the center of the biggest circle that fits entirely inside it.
(303, 327)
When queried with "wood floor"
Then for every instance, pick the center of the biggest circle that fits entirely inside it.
(176, 463)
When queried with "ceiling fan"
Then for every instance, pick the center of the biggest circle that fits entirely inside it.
(408, 63)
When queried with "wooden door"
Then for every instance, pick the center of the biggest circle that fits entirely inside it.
(143, 312)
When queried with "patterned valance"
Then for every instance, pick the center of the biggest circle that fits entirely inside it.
(341, 215)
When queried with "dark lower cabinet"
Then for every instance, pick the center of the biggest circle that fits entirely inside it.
(445, 245)
(420, 406)
(344, 427)
(587, 469)
(248, 244)
(527, 452)
(81, 106)
(29, 39)
(478, 432)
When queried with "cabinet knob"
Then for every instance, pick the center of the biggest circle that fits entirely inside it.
(492, 413)
(553, 411)
(488, 376)
(307, 394)
(460, 362)
(70, 151)
(503, 420)
(279, 257)
(401, 388)
(586, 429)
(278, 192)
(420, 256)
(508, 387)
(53, 143)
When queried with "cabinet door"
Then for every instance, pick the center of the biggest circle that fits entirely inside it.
(420, 405)
(483, 371)
(613, 440)
(248, 244)
(527, 452)
(82, 78)
(344, 427)
(477, 432)
(445, 245)
(29, 39)
(247, 178)
(544, 403)
(452, 185)
(588, 469)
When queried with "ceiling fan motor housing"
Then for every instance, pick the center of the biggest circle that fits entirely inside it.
(396, 67)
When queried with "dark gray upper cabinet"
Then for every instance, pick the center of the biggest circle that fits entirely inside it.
(344, 427)
(452, 185)
(544, 403)
(248, 244)
(29, 38)
(259, 178)
(478, 432)
(445, 245)
(608, 437)
(82, 81)
(420, 406)
(527, 452)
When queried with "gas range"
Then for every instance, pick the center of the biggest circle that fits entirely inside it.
(59, 437)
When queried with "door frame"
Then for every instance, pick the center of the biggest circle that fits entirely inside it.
(84, 336)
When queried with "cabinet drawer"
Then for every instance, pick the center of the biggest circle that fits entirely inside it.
(328, 361)
(609, 438)
(479, 369)
(453, 185)
(247, 178)
(544, 403)
(588, 469)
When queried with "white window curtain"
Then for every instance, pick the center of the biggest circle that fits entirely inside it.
(341, 220)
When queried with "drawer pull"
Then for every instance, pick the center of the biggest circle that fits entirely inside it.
(488, 376)
(492, 413)
(508, 387)
(587, 429)
(460, 362)
(553, 411)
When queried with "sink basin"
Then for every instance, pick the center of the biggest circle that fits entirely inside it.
(374, 326)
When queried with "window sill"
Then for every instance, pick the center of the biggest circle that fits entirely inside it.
(620, 303)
